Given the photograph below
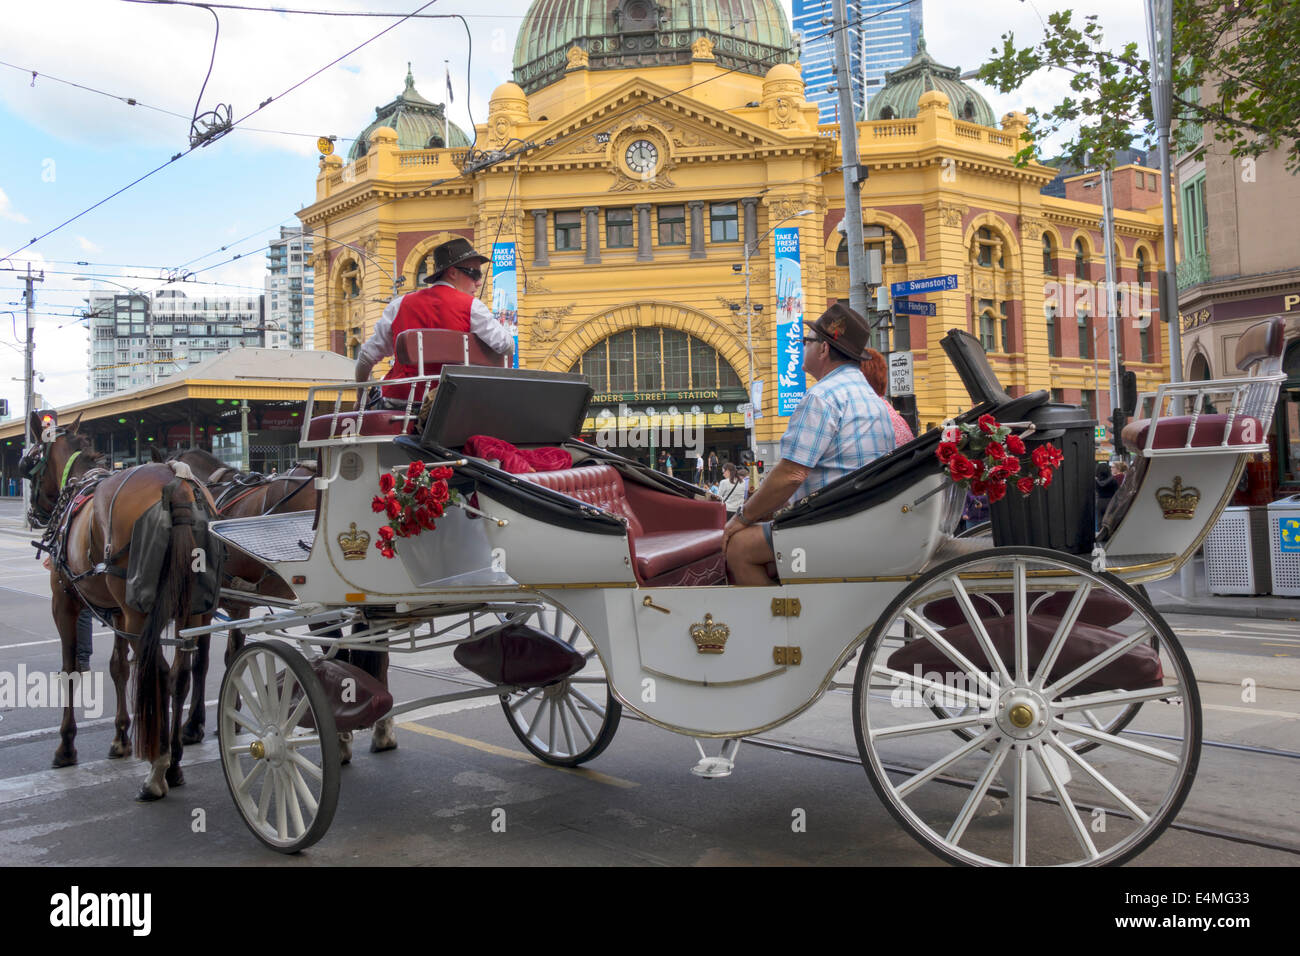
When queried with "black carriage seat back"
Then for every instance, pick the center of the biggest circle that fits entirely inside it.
(972, 365)
(428, 349)
(525, 407)
(1262, 344)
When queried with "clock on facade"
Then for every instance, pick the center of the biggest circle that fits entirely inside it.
(642, 156)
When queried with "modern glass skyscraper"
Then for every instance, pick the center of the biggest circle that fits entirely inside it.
(882, 37)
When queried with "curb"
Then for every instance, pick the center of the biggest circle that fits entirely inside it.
(1266, 613)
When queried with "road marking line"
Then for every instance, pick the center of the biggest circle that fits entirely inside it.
(1267, 644)
(486, 747)
(98, 721)
(61, 780)
(6, 647)
(1285, 714)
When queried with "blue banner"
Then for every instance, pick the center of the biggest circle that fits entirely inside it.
(790, 380)
(505, 290)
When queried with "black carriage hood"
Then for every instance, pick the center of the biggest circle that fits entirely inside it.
(521, 406)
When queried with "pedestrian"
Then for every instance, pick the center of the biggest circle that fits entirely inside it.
(975, 511)
(873, 367)
(1106, 488)
(670, 464)
(713, 468)
(699, 468)
(733, 488)
(1120, 470)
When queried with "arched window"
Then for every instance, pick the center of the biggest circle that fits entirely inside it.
(349, 279)
(1049, 256)
(842, 253)
(653, 360)
(1053, 333)
(1199, 370)
(1141, 266)
(1080, 260)
(887, 113)
(894, 254)
(988, 245)
(988, 331)
(424, 270)
(968, 111)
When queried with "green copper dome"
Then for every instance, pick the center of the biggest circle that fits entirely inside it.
(419, 123)
(902, 91)
(747, 35)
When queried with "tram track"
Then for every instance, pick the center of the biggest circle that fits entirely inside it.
(994, 790)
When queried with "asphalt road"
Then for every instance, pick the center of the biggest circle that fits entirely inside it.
(457, 772)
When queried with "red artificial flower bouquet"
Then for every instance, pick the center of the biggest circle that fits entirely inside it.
(985, 458)
(412, 503)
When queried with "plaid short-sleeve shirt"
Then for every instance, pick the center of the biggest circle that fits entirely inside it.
(840, 425)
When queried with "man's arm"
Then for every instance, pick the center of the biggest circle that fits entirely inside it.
(775, 491)
(485, 325)
(380, 344)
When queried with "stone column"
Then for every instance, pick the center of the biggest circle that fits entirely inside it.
(751, 223)
(697, 228)
(592, 234)
(643, 251)
(541, 242)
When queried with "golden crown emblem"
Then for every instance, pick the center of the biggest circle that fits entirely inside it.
(354, 543)
(710, 638)
(1178, 502)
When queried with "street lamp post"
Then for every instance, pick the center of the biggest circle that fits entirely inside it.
(750, 250)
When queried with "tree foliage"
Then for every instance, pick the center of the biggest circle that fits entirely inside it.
(1235, 71)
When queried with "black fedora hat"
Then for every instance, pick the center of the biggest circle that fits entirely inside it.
(843, 330)
(453, 252)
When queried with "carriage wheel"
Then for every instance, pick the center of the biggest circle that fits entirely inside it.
(571, 721)
(1018, 788)
(279, 746)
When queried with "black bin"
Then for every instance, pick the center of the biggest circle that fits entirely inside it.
(1062, 515)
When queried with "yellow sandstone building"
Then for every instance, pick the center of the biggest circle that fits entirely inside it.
(664, 144)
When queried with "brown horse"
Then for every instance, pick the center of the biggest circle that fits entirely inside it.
(244, 496)
(92, 514)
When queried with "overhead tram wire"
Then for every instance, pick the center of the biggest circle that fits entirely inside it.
(235, 123)
(508, 155)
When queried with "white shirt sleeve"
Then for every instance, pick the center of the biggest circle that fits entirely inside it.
(380, 344)
(485, 325)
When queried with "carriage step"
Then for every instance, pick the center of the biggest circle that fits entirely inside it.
(273, 538)
(711, 768)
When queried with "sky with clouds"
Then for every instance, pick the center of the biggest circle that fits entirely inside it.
(66, 148)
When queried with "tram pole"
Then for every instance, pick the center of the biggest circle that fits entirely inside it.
(29, 385)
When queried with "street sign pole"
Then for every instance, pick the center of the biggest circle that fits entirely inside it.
(853, 173)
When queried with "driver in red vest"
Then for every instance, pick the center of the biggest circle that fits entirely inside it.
(449, 302)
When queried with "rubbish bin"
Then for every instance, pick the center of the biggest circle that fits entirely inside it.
(1284, 545)
(1060, 516)
(1237, 557)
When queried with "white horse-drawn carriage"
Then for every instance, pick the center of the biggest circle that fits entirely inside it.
(1011, 704)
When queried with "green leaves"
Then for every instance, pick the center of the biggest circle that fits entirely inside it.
(1237, 74)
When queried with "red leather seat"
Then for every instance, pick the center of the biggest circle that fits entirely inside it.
(379, 421)
(1172, 432)
(674, 541)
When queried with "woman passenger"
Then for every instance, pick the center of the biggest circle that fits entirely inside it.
(873, 367)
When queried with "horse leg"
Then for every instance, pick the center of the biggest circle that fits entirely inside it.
(347, 657)
(383, 736)
(120, 669)
(192, 732)
(65, 607)
(156, 783)
(180, 678)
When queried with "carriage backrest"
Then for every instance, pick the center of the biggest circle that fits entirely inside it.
(1262, 343)
(435, 347)
(972, 365)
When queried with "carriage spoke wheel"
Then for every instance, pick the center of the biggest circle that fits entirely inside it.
(571, 721)
(1073, 750)
(279, 746)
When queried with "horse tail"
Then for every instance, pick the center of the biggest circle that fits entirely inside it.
(172, 604)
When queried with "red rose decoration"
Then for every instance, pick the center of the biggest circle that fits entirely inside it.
(386, 533)
(997, 491)
(440, 474)
(988, 424)
(1025, 485)
(378, 504)
(1054, 455)
(1015, 445)
(387, 482)
(394, 507)
(978, 487)
(946, 451)
(995, 450)
(416, 469)
(439, 492)
(962, 467)
(1045, 476)
(1011, 464)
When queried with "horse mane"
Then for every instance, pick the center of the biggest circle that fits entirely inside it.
(86, 445)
